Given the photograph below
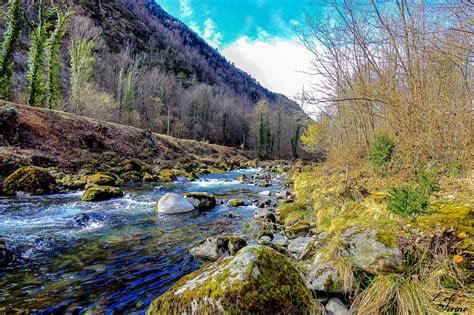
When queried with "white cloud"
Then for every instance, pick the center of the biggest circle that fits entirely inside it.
(277, 64)
(210, 35)
(185, 8)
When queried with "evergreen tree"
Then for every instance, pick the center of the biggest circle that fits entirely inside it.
(12, 36)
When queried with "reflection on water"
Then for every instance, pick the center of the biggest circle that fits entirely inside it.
(114, 255)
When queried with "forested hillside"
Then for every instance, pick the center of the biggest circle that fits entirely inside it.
(130, 62)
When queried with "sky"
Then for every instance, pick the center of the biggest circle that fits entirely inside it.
(258, 36)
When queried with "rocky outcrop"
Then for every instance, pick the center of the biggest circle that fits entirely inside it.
(201, 200)
(367, 253)
(258, 280)
(100, 193)
(8, 126)
(32, 180)
(216, 247)
(172, 203)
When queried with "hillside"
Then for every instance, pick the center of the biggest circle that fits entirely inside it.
(50, 138)
(151, 71)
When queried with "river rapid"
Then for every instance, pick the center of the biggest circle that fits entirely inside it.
(114, 256)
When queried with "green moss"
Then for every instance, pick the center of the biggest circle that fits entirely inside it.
(387, 238)
(32, 180)
(192, 176)
(447, 215)
(101, 179)
(299, 229)
(236, 203)
(99, 193)
(166, 176)
(132, 176)
(265, 233)
(72, 183)
(241, 178)
(269, 284)
(293, 212)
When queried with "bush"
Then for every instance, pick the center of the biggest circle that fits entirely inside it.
(406, 200)
(381, 154)
(425, 181)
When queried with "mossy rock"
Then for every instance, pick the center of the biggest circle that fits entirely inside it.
(258, 280)
(100, 179)
(32, 180)
(99, 193)
(131, 165)
(299, 229)
(166, 176)
(216, 247)
(447, 215)
(263, 233)
(132, 176)
(242, 178)
(72, 183)
(387, 238)
(235, 203)
(201, 200)
(211, 170)
(149, 178)
(192, 176)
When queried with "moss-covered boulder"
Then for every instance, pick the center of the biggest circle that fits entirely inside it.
(192, 176)
(32, 180)
(6, 256)
(258, 280)
(201, 200)
(372, 251)
(235, 203)
(100, 179)
(300, 228)
(99, 193)
(132, 176)
(322, 277)
(72, 183)
(216, 247)
(166, 176)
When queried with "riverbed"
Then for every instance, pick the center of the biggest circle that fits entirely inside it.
(111, 256)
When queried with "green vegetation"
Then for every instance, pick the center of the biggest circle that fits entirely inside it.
(406, 200)
(381, 153)
(11, 38)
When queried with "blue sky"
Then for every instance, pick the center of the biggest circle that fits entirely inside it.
(257, 35)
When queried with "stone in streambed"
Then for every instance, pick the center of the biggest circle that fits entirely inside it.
(258, 280)
(242, 178)
(235, 203)
(100, 193)
(201, 200)
(336, 307)
(172, 203)
(32, 180)
(216, 247)
(6, 256)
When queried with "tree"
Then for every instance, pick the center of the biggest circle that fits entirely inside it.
(295, 139)
(12, 36)
(310, 137)
(84, 35)
(53, 62)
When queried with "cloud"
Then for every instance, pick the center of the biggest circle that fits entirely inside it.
(210, 35)
(276, 64)
(185, 8)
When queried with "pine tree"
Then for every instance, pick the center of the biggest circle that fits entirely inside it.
(12, 36)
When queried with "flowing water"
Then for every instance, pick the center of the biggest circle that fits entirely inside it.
(114, 256)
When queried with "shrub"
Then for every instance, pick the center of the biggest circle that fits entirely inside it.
(425, 181)
(381, 154)
(406, 200)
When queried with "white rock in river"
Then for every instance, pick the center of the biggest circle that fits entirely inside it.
(172, 203)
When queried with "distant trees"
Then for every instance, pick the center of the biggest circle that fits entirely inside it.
(402, 68)
(11, 38)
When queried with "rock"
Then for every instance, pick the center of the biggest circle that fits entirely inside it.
(282, 242)
(322, 277)
(9, 125)
(32, 180)
(235, 203)
(149, 178)
(166, 176)
(201, 200)
(265, 215)
(172, 203)
(83, 220)
(100, 179)
(300, 246)
(72, 183)
(283, 194)
(132, 176)
(258, 280)
(264, 203)
(265, 193)
(301, 228)
(6, 256)
(242, 178)
(367, 253)
(266, 233)
(130, 165)
(100, 193)
(192, 176)
(336, 307)
(265, 239)
(216, 247)
(264, 183)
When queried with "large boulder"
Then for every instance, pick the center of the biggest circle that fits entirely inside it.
(100, 179)
(369, 251)
(172, 203)
(336, 307)
(322, 277)
(216, 247)
(32, 180)
(100, 193)
(258, 280)
(201, 200)
(6, 256)
(265, 215)
(301, 246)
(235, 203)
